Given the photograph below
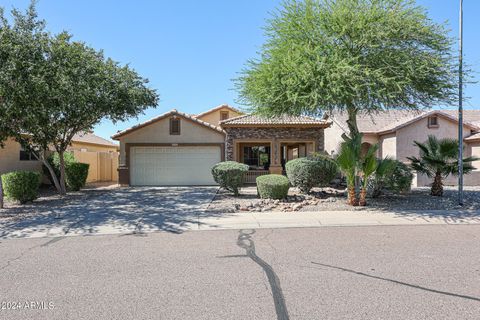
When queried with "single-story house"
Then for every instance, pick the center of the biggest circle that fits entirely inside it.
(396, 130)
(86, 147)
(176, 148)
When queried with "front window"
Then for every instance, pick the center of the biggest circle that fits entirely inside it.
(257, 157)
(27, 155)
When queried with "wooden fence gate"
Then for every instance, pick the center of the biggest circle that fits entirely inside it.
(103, 165)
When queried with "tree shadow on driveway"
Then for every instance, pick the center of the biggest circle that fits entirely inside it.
(135, 210)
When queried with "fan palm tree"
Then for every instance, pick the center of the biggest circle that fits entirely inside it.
(439, 159)
(348, 162)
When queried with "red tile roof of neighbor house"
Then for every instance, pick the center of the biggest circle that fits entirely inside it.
(91, 138)
(163, 116)
(257, 120)
(389, 121)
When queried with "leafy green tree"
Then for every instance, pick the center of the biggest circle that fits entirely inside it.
(353, 56)
(52, 88)
(439, 159)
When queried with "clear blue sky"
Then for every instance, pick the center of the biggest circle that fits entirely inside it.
(191, 50)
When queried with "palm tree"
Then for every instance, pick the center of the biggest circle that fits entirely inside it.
(368, 165)
(385, 167)
(348, 162)
(439, 159)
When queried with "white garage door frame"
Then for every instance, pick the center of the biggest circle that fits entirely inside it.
(173, 156)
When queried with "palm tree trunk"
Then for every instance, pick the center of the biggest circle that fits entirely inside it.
(363, 197)
(437, 185)
(352, 196)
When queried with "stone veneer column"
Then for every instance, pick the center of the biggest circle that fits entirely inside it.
(275, 164)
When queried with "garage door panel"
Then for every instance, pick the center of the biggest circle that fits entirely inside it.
(173, 165)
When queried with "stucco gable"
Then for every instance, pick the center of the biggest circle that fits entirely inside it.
(213, 116)
(167, 116)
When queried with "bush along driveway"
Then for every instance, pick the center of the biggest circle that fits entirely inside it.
(123, 210)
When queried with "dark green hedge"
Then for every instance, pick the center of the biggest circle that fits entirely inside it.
(76, 174)
(54, 161)
(273, 186)
(308, 173)
(229, 175)
(21, 186)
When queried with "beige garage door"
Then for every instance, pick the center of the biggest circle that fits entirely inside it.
(172, 166)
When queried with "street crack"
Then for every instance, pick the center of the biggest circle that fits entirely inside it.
(245, 241)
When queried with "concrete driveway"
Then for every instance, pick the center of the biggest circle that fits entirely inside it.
(126, 210)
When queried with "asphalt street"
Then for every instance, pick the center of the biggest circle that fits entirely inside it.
(379, 272)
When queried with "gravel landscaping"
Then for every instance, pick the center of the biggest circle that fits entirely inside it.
(48, 200)
(331, 199)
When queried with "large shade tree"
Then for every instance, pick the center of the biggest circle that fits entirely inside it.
(353, 56)
(52, 88)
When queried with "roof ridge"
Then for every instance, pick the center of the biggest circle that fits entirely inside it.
(224, 105)
(235, 118)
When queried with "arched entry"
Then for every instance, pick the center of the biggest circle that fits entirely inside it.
(364, 148)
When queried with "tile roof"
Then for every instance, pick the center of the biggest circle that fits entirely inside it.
(394, 119)
(471, 116)
(251, 119)
(162, 116)
(88, 137)
(217, 108)
(475, 136)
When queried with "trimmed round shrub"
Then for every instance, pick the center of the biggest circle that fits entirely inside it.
(76, 175)
(272, 186)
(229, 175)
(21, 186)
(306, 173)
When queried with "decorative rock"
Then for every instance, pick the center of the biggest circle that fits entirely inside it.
(297, 207)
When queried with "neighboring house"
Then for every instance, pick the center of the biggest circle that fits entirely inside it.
(395, 132)
(87, 148)
(176, 148)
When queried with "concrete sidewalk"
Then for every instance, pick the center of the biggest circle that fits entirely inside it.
(255, 220)
(179, 221)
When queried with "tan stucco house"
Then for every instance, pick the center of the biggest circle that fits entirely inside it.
(84, 146)
(176, 148)
(396, 130)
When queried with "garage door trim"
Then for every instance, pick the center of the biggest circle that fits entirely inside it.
(144, 144)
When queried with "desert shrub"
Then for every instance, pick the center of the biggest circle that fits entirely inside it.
(306, 173)
(391, 175)
(401, 178)
(273, 186)
(76, 175)
(21, 186)
(229, 175)
(54, 161)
